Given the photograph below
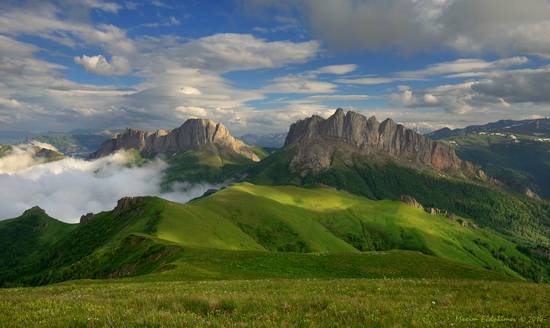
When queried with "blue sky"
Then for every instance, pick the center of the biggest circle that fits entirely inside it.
(259, 65)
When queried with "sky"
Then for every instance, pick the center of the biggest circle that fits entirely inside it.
(259, 65)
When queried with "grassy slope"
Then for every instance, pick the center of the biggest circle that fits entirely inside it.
(242, 221)
(321, 219)
(502, 158)
(210, 163)
(194, 226)
(513, 215)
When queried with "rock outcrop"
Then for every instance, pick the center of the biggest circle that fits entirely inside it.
(86, 217)
(126, 202)
(411, 201)
(192, 134)
(318, 139)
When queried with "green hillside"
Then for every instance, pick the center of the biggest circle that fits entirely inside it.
(516, 216)
(210, 163)
(515, 159)
(256, 231)
(319, 219)
(23, 239)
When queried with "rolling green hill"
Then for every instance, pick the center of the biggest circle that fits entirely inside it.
(23, 239)
(245, 231)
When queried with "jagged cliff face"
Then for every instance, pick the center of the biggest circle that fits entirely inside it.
(317, 139)
(192, 134)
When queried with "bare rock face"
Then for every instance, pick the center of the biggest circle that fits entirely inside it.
(192, 134)
(411, 201)
(318, 138)
(126, 202)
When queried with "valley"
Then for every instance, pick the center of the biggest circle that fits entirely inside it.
(373, 208)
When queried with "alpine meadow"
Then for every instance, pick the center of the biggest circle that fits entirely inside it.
(243, 163)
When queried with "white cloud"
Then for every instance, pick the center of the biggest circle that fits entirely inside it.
(430, 99)
(111, 7)
(20, 157)
(294, 84)
(192, 112)
(69, 188)
(119, 65)
(406, 98)
(465, 67)
(336, 69)
(49, 25)
(231, 52)
(11, 103)
(367, 80)
(190, 90)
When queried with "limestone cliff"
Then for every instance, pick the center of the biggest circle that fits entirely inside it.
(192, 134)
(317, 139)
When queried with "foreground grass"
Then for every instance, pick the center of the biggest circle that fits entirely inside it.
(280, 303)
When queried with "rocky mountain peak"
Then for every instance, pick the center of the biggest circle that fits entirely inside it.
(192, 134)
(317, 139)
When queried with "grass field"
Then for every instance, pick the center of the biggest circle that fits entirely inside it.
(279, 303)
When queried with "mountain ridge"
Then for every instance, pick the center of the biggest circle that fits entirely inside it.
(368, 136)
(190, 135)
(535, 127)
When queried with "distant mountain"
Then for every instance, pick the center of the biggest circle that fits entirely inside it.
(77, 143)
(191, 135)
(273, 140)
(520, 161)
(41, 153)
(534, 127)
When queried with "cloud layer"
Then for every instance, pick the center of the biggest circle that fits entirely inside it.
(71, 187)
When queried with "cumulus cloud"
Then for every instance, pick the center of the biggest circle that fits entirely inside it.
(11, 103)
(119, 65)
(498, 26)
(405, 98)
(517, 86)
(430, 99)
(192, 112)
(71, 187)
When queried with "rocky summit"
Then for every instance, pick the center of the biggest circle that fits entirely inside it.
(317, 139)
(192, 134)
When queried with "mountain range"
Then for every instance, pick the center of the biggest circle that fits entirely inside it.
(516, 153)
(345, 184)
(539, 127)
(192, 134)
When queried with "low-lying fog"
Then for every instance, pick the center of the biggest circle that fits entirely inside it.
(72, 187)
